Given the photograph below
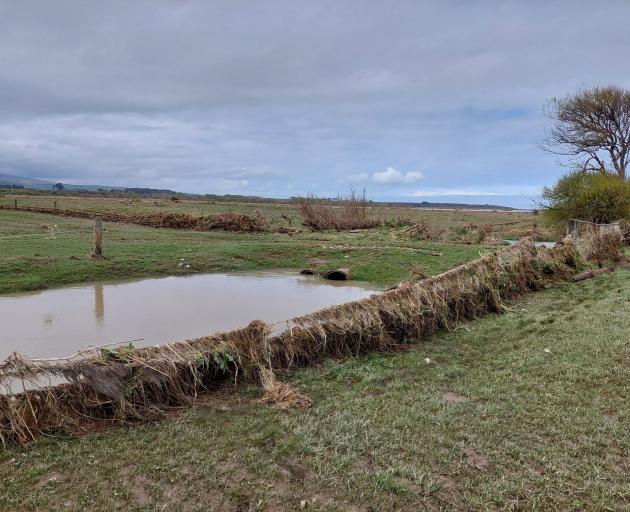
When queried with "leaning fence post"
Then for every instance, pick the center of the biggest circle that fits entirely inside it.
(98, 238)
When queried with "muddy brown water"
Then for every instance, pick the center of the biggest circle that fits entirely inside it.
(58, 322)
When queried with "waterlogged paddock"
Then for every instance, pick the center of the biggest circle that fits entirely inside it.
(58, 322)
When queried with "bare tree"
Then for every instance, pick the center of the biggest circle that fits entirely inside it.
(592, 129)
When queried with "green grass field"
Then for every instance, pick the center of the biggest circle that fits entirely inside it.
(522, 411)
(31, 259)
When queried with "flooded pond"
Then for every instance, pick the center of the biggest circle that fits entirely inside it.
(57, 322)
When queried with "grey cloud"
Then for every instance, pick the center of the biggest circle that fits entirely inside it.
(260, 96)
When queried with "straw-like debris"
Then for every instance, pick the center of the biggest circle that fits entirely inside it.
(280, 393)
(422, 230)
(601, 246)
(127, 385)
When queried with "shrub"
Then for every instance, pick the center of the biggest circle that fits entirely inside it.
(600, 198)
(350, 212)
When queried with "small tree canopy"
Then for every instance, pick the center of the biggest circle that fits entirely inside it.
(593, 197)
(592, 129)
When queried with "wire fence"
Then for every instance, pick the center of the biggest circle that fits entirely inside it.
(29, 235)
(53, 232)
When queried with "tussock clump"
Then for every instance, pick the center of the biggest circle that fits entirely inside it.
(140, 383)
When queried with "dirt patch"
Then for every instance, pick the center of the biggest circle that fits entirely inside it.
(228, 398)
(295, 470)
(445, 482)
(454, 398)
(476, 459)
(358, 508)
(363, 465)
(617, 463)
(410, 486)
(50, 478)
(138, 490)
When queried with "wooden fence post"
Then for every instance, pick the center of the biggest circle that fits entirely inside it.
(573, 228)
(98, 238)
(15, 203)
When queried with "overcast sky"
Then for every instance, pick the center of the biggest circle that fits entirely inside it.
(412, 100)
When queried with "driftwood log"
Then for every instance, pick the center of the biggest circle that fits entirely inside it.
(591, 273)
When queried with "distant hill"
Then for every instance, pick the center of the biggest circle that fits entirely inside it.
(7, 180)
(454, 206)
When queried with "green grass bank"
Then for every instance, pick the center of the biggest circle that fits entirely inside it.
(31, 259)
(522, 411)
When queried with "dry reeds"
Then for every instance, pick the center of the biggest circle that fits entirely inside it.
(343, 213)
(127, 385)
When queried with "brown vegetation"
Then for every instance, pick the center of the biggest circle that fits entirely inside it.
(601, 246)
(422, 230)
(350, 212)
(126, 385)
(229, 221)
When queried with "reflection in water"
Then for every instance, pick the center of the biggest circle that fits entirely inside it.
(99, 304)
(159, 310)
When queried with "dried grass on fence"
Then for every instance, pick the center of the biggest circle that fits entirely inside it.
(127, 385)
